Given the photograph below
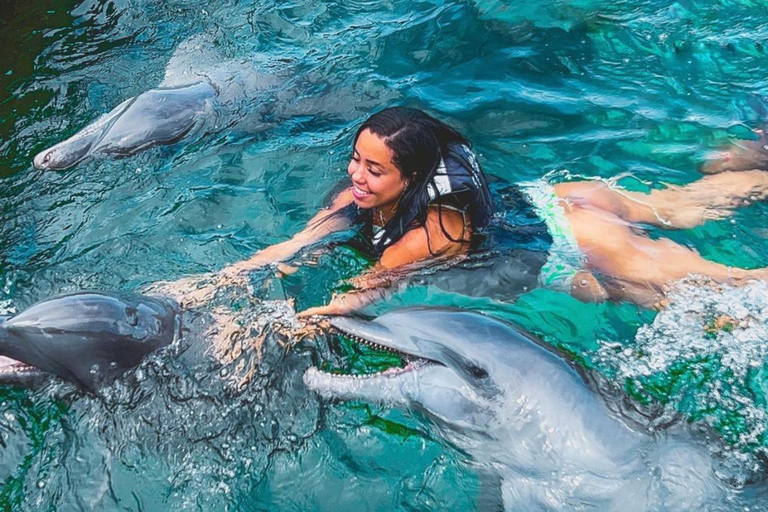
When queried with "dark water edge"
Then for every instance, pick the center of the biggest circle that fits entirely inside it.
(24, 29)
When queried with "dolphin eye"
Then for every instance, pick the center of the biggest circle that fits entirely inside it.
(47, 158)
(478, 372)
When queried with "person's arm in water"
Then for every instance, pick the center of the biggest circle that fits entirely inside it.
(321, 225)
(417, 247)
(195, 290)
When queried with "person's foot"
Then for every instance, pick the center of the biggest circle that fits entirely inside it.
(586, 288)
(742, 155)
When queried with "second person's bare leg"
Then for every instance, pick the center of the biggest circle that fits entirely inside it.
(632, 266)
(675, 207)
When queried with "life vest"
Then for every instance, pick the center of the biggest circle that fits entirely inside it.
(457, 183)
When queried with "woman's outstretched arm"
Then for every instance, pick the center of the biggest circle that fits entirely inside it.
(193, 291)
(318, 227)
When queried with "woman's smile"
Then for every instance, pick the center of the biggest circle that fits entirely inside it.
(359, 193)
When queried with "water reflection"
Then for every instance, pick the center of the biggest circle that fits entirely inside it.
(596, 87)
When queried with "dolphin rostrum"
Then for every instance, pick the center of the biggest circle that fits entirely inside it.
(528, 420)
(87, 338)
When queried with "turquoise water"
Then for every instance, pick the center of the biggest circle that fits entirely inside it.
(597, 88)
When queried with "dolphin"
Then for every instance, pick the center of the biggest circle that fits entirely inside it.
(201, 92)
(527, 419)
(88, 338)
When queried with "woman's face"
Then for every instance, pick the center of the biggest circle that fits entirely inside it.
(376, 181)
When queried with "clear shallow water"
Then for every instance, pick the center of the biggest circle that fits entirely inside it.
(598, 88)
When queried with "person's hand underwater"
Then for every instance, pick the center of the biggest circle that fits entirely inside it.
(340, 304)
(194, 291)
(327, 310)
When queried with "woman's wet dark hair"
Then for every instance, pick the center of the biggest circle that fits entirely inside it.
(418, 142)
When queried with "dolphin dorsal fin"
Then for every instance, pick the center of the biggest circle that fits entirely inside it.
(189, 61)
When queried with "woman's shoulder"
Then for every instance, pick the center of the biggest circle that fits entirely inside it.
(443, 234)
(445, 222)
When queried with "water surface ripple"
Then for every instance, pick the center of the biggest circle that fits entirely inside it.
(591, 87)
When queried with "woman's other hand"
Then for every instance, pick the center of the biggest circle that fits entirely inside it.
(188, 292)
(197, 290)
(327, 310)
(345, 303)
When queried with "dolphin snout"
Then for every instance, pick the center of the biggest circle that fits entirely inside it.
(58, 158)
(68, 153)
(42, 160)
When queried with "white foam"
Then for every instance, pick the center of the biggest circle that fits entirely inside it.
(707, 327)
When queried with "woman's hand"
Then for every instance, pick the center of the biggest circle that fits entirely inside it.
(340, 304)
(327, 310)
(188, 292)
(237, 270)
(194, 291)
(345, 303)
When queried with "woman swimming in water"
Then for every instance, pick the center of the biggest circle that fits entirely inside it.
(417, 190)
(596, 225)
(420, 194)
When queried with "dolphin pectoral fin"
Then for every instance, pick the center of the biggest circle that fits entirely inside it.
(187, 58)
(70, 152)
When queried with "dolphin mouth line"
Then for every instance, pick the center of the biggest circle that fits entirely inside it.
(412, 362)
(14, 372)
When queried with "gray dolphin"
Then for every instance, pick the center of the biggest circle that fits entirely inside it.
(527, 419)
(87, 338)
(201, 92)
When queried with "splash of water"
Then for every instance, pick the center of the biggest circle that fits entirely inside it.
(184, 430)
(705, 355)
